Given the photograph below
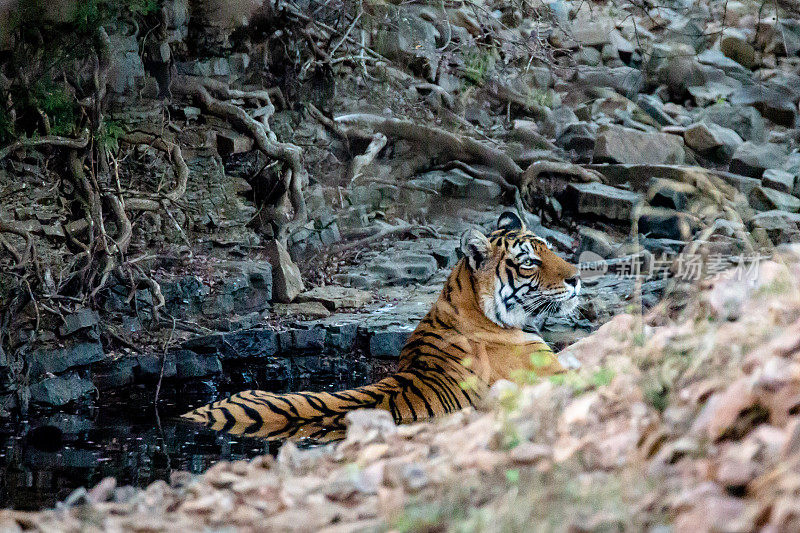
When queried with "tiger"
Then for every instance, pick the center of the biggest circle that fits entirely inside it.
(477, 332)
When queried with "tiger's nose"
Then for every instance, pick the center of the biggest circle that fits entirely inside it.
(574, 282)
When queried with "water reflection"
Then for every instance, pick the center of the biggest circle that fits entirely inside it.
(41, 463)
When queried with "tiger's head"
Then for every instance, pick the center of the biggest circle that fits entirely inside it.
(518, 278)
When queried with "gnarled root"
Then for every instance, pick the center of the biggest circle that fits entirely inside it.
(454, 147)
(295, 176)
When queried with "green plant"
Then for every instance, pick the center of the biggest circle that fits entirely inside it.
(580, 382)
(477, 64)
(58, 105)
(108, 135)
(7, 130)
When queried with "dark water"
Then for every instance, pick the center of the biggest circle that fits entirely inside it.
(43, 461)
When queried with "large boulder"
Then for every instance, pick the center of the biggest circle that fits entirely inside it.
(752, 160)
(601, 200)
(710, 138)
(766, 199)
(61, 390)
(773, 102)
(742, 119)
(616, 144)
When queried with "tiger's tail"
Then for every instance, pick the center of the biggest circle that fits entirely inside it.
(407, 395)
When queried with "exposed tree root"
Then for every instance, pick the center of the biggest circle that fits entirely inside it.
(455, 147)
(361, 162)
(295, 176)
(175, 154)
(533, 172)
(14, 228)
(384, 232)
(49, 140)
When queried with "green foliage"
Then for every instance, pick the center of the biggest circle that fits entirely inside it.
(512, 475)
(477, 64)
(7, 130)
(579, 382)
(657, 396)
(541, 98)
(108, 135)
(58, 105)
(92, 14)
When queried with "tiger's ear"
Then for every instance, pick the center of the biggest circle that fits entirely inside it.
(510, 221)
(475, 247)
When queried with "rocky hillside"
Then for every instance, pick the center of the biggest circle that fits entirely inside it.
(219, 195)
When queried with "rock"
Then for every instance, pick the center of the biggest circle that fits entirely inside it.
(406, 269)
(60, 359)
(286, 280)
(730, 67)
(742, 119)
(60, 390)
(773, 102)
(684, 75)
(126, 69)
(734, 45)
(186, 112)
(714, 91)
(625, 80)
(780, 180)
(414, 478)
(335, 297)
(388, 343)
(580, 138)
(149, 366)
(710, 137)
(766, 199)
(778, 35)
(622, 145)
(529, 453)
(341, 337)
(588, 56)
(601, 200)
(115, 374)
(654, 107)
(666, 223)
(753, 159)
(407, 38)
(189, 364)
(250, 343)
(85, 318)
(307, 309)
(310, 339)
(229, 143)
(778, 226)
(362, 421)
(457, 184)
(596, 241)
(591, 31)
(741, 183)
(246, 287)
